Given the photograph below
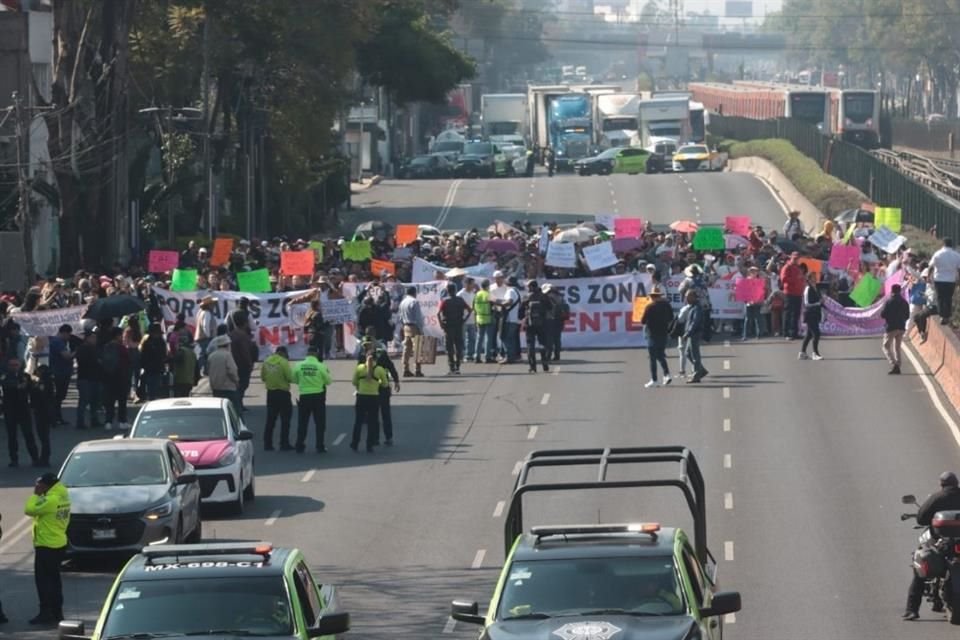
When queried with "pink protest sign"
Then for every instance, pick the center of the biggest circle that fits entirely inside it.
(896, 278)
(628, 227)
(749, 290)
(739, 225)
(843, 256)
(162, 261)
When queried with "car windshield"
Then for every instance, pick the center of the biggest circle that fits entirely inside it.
(610, 153)
(183, 425)
(693, 150)
(114, 467)
(421, 160)
(447, 146)
(252, 606)
(641, 586)
(478, 148)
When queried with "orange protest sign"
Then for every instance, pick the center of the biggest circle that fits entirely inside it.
(222, 248)
(297, 263)
(814, 266)
(406, 233)
(640, 304)
(377, 267)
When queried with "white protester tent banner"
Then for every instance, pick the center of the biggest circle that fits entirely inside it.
(600, 256)
(886, 240)
(47, 323)
(338, 310)
(562, 255)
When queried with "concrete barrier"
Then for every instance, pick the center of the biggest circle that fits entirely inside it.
(941, 354)
(788, 194)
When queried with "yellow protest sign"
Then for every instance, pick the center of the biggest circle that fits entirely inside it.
(640, 304)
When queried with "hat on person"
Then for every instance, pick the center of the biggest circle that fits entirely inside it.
(219, 342)
(651, 266)
(656, 291)
(202, 250)
(49, 479)
(512, 281)
(691, 271)
(207, 300)
(498, 274)
(546, 288)
(948, 479)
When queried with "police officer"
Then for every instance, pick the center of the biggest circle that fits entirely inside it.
(534, 311)
(947, 499)
(49, 506)
(313, 377)
(382, 359)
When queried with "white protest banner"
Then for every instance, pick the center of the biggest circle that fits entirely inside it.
(608, 220)
(599, 256)
(47, 323)
(886, 240)
(278, 322)
(429, 295)
(723, 302)
(424, 271)
(338, 311)
(561, 254)
(544, 240)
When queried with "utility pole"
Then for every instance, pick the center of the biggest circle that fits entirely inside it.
(24, 219)
(207, 169)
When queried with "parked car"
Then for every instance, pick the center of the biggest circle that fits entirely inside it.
(481, 160)
(429, 166)
(630, 160)
(127, 494)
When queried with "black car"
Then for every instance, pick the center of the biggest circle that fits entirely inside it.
(449, 149)
(481, 160)
(433, 165)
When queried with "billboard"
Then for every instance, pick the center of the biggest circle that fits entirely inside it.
(738, 9)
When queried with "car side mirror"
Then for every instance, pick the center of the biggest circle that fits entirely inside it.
(187, 478)
(245, 435)
(463, 611)
(329, 625)
(722, 603)
(909, 499)
(71, 630)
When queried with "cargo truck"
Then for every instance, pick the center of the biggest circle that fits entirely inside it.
(538, 97)
(504, 114)
(571, 128)
(616, 120)
(664, 119)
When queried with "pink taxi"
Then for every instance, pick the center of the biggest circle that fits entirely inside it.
(212, 437)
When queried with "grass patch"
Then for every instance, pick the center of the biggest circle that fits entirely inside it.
(826, 193)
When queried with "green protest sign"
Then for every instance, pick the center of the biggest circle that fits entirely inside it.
(257, 281)
(184, 280)
(357, 250)
(709, 239)
(866, 290)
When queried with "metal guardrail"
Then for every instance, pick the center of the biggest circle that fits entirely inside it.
(937, 174)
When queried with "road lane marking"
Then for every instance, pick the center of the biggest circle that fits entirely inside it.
(272, 519)
(339, 439)
(932, 392)
(726, 393)
(17, 537)
(728, 550)
(614, 202)
(517, 467)
(726, 424)
(545, 399)
(727, 461)
(451, 624)
(726, 365)
(726, 343)
(694, 199)
(555, 371)
(690, 189)
(448, 203)
(498, 510)
(532, 433)
(730, 618)
(728, 501)
(308, 475)
(478, 559)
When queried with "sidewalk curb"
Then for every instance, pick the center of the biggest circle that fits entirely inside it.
(356, 187)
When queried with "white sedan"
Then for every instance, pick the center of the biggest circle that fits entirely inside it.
(212, 437)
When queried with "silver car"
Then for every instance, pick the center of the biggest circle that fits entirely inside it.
(126, 494)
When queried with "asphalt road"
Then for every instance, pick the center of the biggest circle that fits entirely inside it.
(804, 462)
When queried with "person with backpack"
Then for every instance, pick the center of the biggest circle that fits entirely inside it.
(452, 314)
(534, 311)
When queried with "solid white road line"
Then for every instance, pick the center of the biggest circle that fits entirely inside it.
(13, 538)
(339, 439)
(726, 393)
(449, 627)
(726, 343)
(726, 365)
(517, 467)
(448, 203)
(728, 550)
(727, 461)
(728, 501)
(730, 618)
(932, 392)
(726, 424)
(545, 399)
(308, 475)
(498, 510)
(555, 371)
(272, 519)
(532, 433)
(478, 559)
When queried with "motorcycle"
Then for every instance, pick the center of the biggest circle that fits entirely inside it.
(937, 559)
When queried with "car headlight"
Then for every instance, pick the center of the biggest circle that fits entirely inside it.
(559, 153)
(159, 512)
(228, 458)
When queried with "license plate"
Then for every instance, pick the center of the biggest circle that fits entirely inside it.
(104, 534)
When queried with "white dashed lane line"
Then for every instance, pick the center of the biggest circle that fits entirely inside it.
(517, 467)
(450, 626)
(339, 439)
(730, 618)
(545, 399)
(728, 550)
(726, 424)
(726, 365)
(308, 475)
(272, 519)
(14, 535)
(478, 559)
(532, 433)
(727, 461)
(498, 510)
(728, 501)
(726, 393)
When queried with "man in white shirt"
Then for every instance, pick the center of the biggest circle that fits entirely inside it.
(510, 311)
(497, 292)
(206, 329)
(946, 272)
(468, 293)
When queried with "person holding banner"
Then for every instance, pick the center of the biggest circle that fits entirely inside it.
(811, 317)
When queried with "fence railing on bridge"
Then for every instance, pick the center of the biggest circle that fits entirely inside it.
(882, 183)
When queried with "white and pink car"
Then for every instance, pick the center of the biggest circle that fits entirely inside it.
(212, 437)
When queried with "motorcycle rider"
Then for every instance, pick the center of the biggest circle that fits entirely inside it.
(947, 499)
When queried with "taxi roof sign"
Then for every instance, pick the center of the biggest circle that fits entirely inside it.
(213, 549)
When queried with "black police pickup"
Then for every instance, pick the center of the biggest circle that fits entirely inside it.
(606, 581)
